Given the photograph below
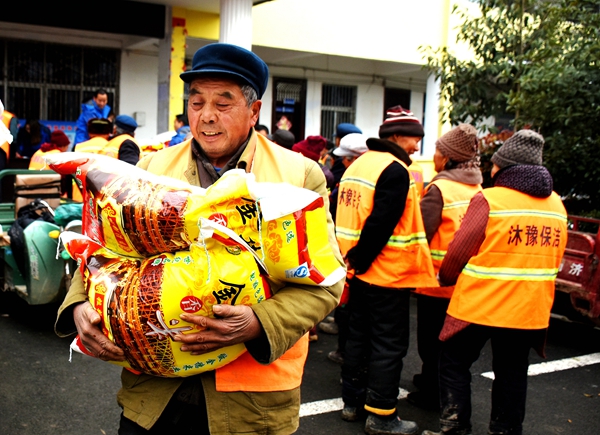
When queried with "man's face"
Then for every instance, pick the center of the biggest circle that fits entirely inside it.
(410, 144)
(101, 100)
(219, 117)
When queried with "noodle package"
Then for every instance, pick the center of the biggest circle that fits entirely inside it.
(138, 214)
(140, 300)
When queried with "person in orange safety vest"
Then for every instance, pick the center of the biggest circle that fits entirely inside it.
(503, 262)
(59, 143)
(99, 130)
(443, 207)
(402, 127)
(380, 232)
(123, 145)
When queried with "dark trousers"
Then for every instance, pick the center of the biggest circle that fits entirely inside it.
(377, 341)
(342, 319)
(431, 313)
(185, 414)
(510, 361)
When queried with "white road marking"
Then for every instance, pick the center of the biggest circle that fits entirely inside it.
(331, 405)
(558, 365)
(321, 407)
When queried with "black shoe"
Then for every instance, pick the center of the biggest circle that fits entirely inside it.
(349, 413)
(376, 425)
(336, 356)
(430, 402)
(353, 413)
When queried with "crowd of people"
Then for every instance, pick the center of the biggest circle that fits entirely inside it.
(462, 252)
(480, 262)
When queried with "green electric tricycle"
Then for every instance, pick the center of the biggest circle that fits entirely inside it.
(33, 263)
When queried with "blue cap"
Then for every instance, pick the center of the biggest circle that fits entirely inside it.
(229, 60)
(126, 122)
(346, 128)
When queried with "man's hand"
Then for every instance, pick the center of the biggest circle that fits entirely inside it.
(235, 324)
(87, 321)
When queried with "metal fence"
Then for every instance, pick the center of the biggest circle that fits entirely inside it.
(50, 81)
(338, 104)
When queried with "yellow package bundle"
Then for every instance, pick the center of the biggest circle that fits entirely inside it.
(126, 209)
(135, 213)
(140, 300)
(295, 245)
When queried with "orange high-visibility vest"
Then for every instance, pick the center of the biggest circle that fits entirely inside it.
(416, 171)
(113, 146)
(456, 197)
(509, 283)
(93, 145)
(6, 118)
(37, 159)
(405, 261)
(245, 374)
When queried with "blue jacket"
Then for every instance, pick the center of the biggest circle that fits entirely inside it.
(180, 135)
(89, 111)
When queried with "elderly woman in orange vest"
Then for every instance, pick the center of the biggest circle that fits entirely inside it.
(503, 261)
(443, 206)
(59, 143)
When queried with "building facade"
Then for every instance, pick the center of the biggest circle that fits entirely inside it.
(330, 61)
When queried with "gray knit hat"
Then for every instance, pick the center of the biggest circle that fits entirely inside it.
(460, 144)
(522, 148)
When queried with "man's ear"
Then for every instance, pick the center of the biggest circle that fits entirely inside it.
(255, 109)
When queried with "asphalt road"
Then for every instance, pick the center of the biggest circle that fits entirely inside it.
(42, 393)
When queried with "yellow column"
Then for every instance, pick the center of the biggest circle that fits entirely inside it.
(177, 67)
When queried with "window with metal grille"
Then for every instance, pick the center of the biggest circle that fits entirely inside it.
(50, 81)
(338, 104)
(289, 91)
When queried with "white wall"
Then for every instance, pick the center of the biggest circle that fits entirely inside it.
(380, 29)
(139, 81)
(266, 109)
(312, 126)
(432, 116)
(369, 109)
(417, 106)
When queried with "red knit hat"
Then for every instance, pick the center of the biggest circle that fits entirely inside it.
(311, 147)
(59, 139)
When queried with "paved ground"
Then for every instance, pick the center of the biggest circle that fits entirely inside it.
(41, 393)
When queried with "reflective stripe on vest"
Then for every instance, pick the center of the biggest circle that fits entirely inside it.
(405, 261)
(244, 373)
(456, 197)
(510, 281)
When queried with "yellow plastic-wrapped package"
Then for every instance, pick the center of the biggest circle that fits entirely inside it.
(140, 300)
(135, 213)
